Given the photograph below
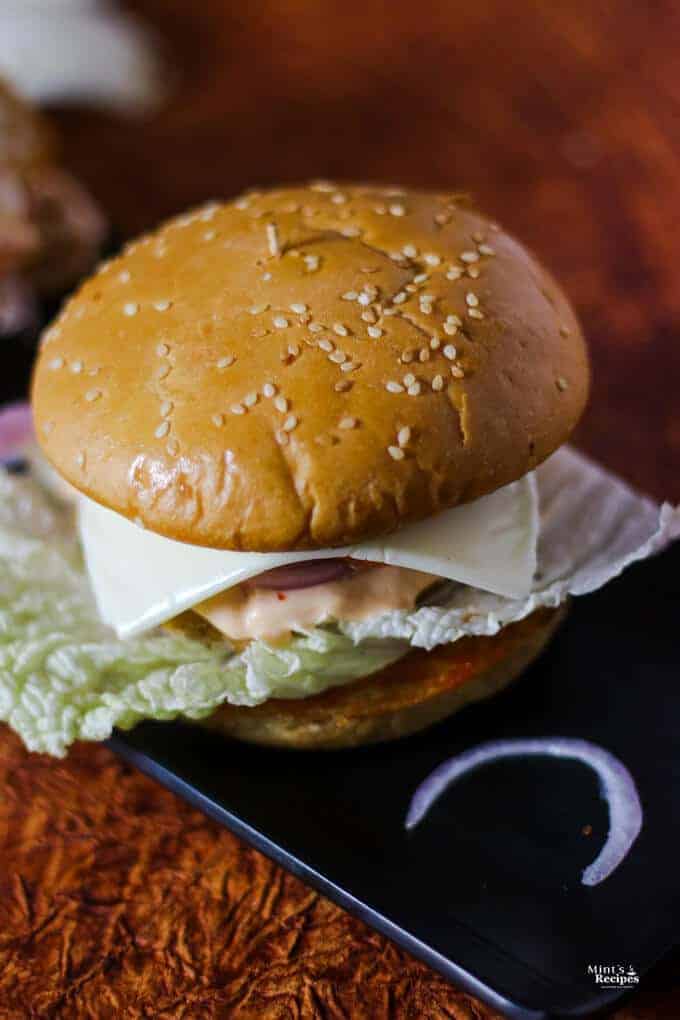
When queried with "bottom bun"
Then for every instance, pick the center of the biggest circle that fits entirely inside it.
(405, 697)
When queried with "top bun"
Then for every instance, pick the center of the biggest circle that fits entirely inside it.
(309, 367)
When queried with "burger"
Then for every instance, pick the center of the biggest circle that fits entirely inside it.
(303, 424)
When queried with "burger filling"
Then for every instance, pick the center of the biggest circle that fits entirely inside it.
(261, 609)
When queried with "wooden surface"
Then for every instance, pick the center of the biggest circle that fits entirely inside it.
(117, 900)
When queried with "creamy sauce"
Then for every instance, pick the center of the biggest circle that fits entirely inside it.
(244, 615)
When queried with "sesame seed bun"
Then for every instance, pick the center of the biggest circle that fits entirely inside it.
(309, 367)
(408, 696)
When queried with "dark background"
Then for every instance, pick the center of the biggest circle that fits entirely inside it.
(563, 119)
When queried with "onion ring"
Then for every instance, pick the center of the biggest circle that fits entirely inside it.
(617, 788)
(301, 575)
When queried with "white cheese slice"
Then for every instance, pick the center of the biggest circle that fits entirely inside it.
(141, 579)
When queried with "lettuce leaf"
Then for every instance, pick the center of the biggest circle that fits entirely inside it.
(64, 676)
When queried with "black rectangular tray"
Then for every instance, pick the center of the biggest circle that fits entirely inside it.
(486, 889)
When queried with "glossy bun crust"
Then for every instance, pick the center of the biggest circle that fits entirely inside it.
(401, 699)
(309, 367)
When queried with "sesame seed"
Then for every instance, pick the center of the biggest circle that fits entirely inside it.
(258, 309)
(370, 315)
(349, 366)
(399, 298)
(273, 239)
(475, 313)
(56, 363)
(457, 372)
(469, 256)
(411, 288)
(237, 409)
(326, 345)
(450, 352)
(486, 249)
(76, 367)
(162, 306)
(561, 383)
(406, 356)
(172, 447)
(131, 308)
(311, 262)
(250, 399)
(338, 198)
(298, 308)
(442, 218)
(435, 343)
(424, 354)
(349, 295)
(162, 350)
(166, 408)
(80, 460)
(421, 278)
(293, 350)
(268, 390)
(315, 327)
(322, 186)
(409, 379)
(438, 383)
(410, 250)
(473, 273)
(395, 452)
(394, 387)
(338, 357)
(351, 232)
(403, 435)
(426, 307)
(218, 420)
(340, 329)
(93, 395)
(380, 209)
(209, 235)
(374, 332)
(162, 429)
(348, 423)
(397, 209)
(281, 437)
(432, 259)
(471, 300)
(226, 361)
(290, 423)
(266, 277)
(281, 404)
(454, 273)
(242, 203)
(414, 389)
(280, 322)
(343, 385)
(124, 277)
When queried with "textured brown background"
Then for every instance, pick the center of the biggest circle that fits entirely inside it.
(117, 900)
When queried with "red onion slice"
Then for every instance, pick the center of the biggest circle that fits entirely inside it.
(16, 430)
(617, 788)
(301, 575)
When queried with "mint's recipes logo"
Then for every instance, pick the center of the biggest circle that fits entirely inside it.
(614, 975)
